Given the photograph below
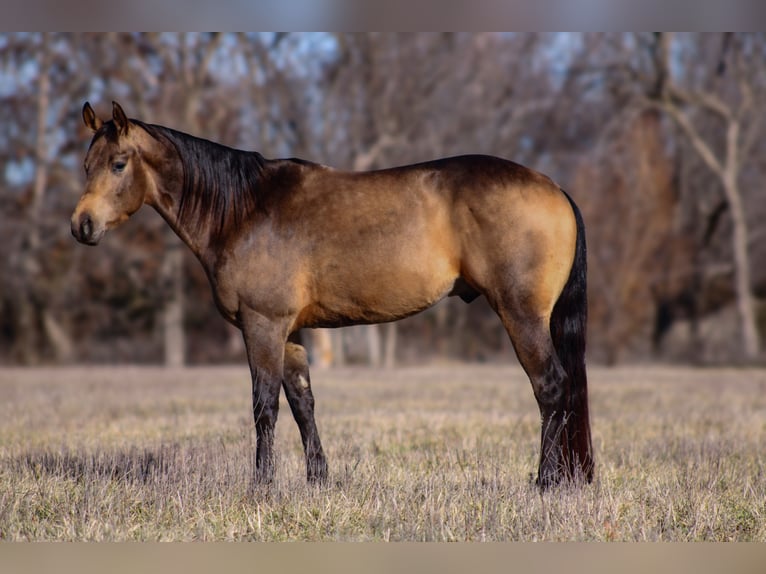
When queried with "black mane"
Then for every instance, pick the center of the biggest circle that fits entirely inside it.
(220, 184)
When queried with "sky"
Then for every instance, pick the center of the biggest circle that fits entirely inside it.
(390, 15)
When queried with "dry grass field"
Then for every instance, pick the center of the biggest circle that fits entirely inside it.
(431, 453)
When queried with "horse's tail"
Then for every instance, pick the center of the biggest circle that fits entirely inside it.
(568, 327)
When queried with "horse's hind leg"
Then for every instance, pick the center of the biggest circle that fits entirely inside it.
(297, 385)
(532, 341)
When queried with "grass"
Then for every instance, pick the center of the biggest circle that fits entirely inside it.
(434, 453)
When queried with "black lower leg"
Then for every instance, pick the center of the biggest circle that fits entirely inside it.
(265, 416)
(560, 457)
(265, 343)
(297, 385)
(530, 334)
(549, 389)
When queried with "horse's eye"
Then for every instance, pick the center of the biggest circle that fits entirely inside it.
(118, 166)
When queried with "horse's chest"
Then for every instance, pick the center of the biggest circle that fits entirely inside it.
(261, 284)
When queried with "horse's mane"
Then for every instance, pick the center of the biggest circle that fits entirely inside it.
(220, 184)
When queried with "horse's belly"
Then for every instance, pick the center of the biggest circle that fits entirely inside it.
(372, 289)
(384, 265)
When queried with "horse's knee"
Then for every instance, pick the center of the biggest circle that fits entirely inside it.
(265, 413)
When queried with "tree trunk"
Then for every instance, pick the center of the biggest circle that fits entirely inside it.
(742, 284)
(727, 171)
(58, 337)
(30, 311)
(321, 347)
(373, 345)
(338, 347)
(390, 333)
(172, 314)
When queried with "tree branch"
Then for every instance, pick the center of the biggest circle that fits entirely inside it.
(699, 145)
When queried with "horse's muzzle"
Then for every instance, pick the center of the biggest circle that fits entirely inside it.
(83, 230)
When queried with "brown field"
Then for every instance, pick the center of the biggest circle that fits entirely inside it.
(431, 453)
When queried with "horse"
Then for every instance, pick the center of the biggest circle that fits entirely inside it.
(288, 244)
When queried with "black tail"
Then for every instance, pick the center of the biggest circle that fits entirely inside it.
(568, 328)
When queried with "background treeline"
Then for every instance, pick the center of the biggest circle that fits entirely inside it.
(658, 137)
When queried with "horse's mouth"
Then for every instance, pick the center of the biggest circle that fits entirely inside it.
(92, 241)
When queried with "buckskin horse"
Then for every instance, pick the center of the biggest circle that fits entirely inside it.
(289, 244)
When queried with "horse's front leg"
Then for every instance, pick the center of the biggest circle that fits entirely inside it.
(297, 385)
(265, 343)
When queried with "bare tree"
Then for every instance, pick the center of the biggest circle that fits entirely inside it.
(685, 105)
(656, 137)
(633, 241)
(39, 328)
(29, 304)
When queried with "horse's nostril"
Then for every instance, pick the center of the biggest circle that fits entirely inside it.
(86, 227)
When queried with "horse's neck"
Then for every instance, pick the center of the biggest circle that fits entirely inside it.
(200, 215)
(196, 241)
(166, 201)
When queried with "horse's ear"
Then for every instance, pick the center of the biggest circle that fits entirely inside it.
(120, 119)
(90, 118)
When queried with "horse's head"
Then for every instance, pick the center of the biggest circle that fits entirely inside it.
(117, 181)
